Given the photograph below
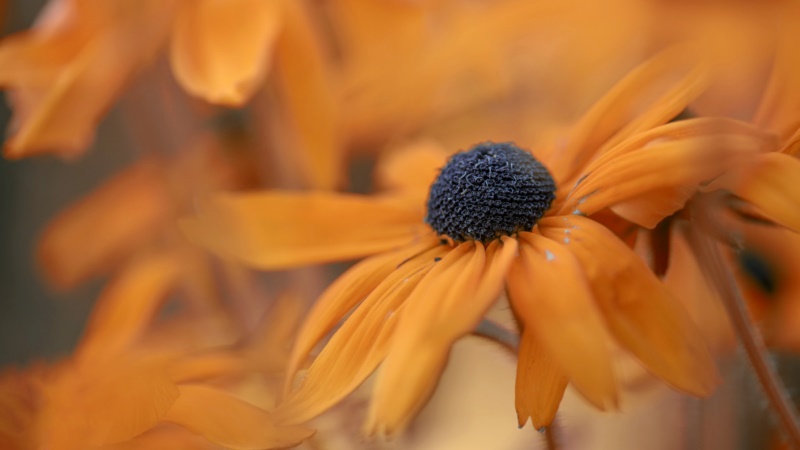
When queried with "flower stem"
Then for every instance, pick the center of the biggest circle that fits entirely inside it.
(716, 271)
(498, 333)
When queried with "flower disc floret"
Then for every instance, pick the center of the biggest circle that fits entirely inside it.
(489, 191)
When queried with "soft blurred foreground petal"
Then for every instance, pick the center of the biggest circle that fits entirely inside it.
(639, 311)
(227, 421)
(221, 49)
(540, 383)
(108, 403)
(550, 294)
(280, 230)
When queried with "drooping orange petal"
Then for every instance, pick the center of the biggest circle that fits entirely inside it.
(446, 305)
(359, 345)
(770, 183)
(107, 403)
(221, 49)
(662, 169)
(227, 421)
(540, 383)
(127, 305)
(342, 295)
(279, 230)
(639, 311)
(303, 78)
(88, 237)
(650, 95)
(550, 294)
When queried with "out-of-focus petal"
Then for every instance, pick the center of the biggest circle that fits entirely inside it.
(563, 317)
(540, 383)
(639, 311)
(366, 335)
(227, 421)
(111, 402)
(279, 230)
(221, 49)
(648, 96)
(685, 280)
(413, 167)
(462, 286)
(770, 183)
(57, 110)
(97, 232)
(345, 293)
(303, 79)
(127, 305)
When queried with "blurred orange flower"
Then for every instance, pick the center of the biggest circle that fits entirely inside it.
(117, 385)
(410, 302)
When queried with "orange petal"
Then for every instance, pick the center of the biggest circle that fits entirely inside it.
(540, 383)
(413, 167)
(113, 401)
(662, 169)
(342, 295)
(90, 236)
(227, 421)
(221, 49)
(127, 306)
(446, 305)
(770, 183)
(639, 311)
(278, 230)
(59, 116)
(304, 82)
(359, 345)
(648, 96)
(563, 317)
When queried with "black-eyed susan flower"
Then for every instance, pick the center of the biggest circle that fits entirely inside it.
(497, 216)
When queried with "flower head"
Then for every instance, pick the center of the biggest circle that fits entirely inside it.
(497, 216)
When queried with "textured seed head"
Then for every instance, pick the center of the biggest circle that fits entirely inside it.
(489, 191)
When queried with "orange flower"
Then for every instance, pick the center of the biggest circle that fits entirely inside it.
(572, 283)
(117, 387)
(64, 73)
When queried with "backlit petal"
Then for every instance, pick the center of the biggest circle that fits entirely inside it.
(227, 421)
(653, 326)
(551, 296)
(540, 383)
(279, 230)
(221, 49)
(413, 167)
